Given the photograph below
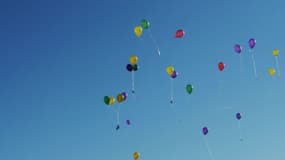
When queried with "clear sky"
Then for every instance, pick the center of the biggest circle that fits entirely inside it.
(59, 58)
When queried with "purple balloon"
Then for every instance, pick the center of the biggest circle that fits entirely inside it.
(128, 122)
(125, 95)
(205, 130)
(238, 116)
(129, 67)
(174, 74)
(237, 48)
(251, 43)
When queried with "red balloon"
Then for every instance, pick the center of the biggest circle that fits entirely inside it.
(179, 33)
(221, 66)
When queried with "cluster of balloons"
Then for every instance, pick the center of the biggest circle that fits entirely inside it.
(251, 44)
(133, 66)
(139, 28)
(171, 72)
(109, 100)
(271, 70)
(121, 97)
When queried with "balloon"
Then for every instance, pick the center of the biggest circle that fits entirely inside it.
(179, 33)
(135, 67)
(275, 52)
(169, 70)
(271, 71)
(125, 95)
(106, 100)
(117, 127)
(205, 130)
(133, 59)
(238, 116)
(221, 66)
(120, 98)
(136, 155)
(138, 31)
(112, 100)
(128, 122)
(237, 48)
(145, 24)
(189, 88)
(129, 67)
(251, 43)
(174, 74)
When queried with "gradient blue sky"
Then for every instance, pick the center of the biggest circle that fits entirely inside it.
(59, 58)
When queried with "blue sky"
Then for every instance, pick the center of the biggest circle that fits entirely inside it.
(58, 59)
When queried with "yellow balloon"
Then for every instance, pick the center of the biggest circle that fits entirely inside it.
(112, 100)
(120, 98)
(133, 59)
(170, 70)
(138, 31)
(136, 155)
(271, 71)
(275, 52)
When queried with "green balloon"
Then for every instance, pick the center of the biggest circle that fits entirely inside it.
(145, 24)
(106, 100)
(189, 88)
(135, 67)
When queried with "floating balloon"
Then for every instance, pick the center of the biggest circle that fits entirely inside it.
(238, 116)
(221, 66)
(271, 71)
(189, 88)
(237, 48)
(135, 67)
(125, 95)
(112, 100)
(275, 52)
(129, 67)
(145, 24)
(106, 100)
(170, 70)
(117, 127)
(205, 130)
(138, 31)
(133, 59)
(174, 74)
(128, 122)
(136, 155)
(251, 43)
(120, 98)
(179, 33)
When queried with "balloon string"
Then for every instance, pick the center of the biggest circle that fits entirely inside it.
(208, 148)
(277, 65)
(254, 66)
(171, 90)
(240, 63)
(240, 133)
(133, 82)
(154, 41)
(118, 115)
